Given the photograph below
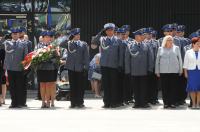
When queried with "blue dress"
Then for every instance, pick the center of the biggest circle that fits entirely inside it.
(193, 83)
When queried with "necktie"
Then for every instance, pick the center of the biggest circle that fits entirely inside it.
(15, 44)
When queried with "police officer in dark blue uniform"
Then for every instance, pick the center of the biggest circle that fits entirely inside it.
(125, 41)
(27, 73)
(77, 63)
(15, 53)
(138, 58)
(152, 94)
(109, 63)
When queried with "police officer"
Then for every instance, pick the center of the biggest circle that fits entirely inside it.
(77, 63)
(109, 63)
(182, 94)
(181, 33)
(27, 43)
(170, 29)
(22, 33)
(15, 53)
(138, 57)
(152, 94)
(125, 41)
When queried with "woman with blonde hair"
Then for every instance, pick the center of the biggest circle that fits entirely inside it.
(168, 68)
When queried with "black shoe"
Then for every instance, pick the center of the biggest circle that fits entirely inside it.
(72, 106)
(126, 103)
(24, 106)
(131, 102)
(182, 103)
(177, 104)
(81, 106)
(153, 102)
(106, 106)
(146, 106)
(115, 105)
(157, 102)
(172, 106)
(190, 105)
(166, 106)
(13, 106)
(136, 106)
(122, 104)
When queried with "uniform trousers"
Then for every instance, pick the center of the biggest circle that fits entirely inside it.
(127, 89)
(152, 94)
(121, 87)
(139, 85)
(16, 85)
(110, 85)
(182, 93)
(77, 89)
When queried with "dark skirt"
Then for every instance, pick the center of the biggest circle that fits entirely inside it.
(2, 77)
(47, 75)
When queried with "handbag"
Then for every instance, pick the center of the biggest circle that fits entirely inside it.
(96, 76)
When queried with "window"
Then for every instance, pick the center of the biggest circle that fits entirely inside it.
(39, 5)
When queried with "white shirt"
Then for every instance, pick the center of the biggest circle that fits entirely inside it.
(190, 61)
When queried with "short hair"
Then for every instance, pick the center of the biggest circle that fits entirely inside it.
(195, 39)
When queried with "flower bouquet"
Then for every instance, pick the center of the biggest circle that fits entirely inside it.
(35, 58)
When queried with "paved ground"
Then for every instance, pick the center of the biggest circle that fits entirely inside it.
(93, 118)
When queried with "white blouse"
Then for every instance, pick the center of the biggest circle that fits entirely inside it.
(190, 60)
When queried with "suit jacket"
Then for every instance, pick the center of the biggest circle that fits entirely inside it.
(77, 55)
(15, 53)
(138, 59)
(168, 60)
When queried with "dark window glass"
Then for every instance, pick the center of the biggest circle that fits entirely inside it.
(39, 5)
(55, 5)
(15, 6)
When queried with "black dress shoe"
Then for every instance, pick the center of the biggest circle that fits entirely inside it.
(173, 106)
(13, 106)
(115, 106)
(81, 106)
(126, 103)
(23, 105)
(136, 106)
(166, 106)
(122, 104)
(190, 105)
(72, 106)
(157, 102)
(106, 106)
(131, 102)
(153, 102)
(146, 106)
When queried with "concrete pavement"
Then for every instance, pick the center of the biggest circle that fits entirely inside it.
(93, 118)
